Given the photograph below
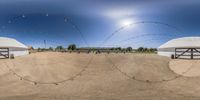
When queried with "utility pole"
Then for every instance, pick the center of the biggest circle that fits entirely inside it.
(45, 44)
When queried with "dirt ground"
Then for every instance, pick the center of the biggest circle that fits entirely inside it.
(65, 76)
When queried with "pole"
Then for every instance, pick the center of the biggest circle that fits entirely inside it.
(45, 43)
(192, 54)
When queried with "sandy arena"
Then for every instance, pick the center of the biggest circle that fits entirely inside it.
(65, 76)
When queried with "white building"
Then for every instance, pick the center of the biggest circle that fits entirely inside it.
(181, 47)
(10, 46)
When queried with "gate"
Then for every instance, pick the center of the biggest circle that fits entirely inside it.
(4, 53)
(187, 53)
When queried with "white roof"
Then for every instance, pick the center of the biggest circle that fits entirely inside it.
(184, 42)
(10, 43)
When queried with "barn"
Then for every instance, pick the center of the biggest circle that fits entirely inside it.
(10, 46)
(185, 47)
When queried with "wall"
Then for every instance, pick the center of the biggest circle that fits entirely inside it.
(18, 51)
(167, 54)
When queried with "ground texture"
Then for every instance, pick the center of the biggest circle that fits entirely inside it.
(65, 76)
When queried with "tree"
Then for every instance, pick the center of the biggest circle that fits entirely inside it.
(129, 49)
(140, 49)
(118, 48)
(59, 48)
(152, 49)
(72, 47)
(31, 48)
(50, 49)
(43, 49)
(39, 49)
(145, 50)
(112, 49)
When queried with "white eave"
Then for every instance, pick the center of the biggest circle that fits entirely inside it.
(184, 42)
(11, 43)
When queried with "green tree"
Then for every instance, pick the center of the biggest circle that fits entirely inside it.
(59, 48)
(118, 48)
(112, 49)
(31, 48)
(140, 49)
(145, 50)
(151, 50)
(39, 49)
(72, 47)
(50, 49)
(129, 49)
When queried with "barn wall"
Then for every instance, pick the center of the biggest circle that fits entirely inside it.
(167, 54)
(18, 51)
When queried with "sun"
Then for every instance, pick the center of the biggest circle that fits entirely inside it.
(126, 22)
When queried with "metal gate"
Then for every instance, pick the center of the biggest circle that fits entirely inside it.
(4, 53)
(187, 53)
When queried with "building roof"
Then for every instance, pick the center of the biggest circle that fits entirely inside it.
(10, 43)
(184, 42)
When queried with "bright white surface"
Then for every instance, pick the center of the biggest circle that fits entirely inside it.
(126, 22)
(168, 48)
(9, 42)
(167, 54)
(15, 47)
(182, 42)
(19, 53)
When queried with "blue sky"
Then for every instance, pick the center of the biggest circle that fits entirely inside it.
(33, 21)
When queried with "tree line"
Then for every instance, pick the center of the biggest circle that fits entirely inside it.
(73, 47)
(147, 50)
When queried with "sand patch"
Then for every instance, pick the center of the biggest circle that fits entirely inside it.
(48, 67)
(144, 67)
(188, 68)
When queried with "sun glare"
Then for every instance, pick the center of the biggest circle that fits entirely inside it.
(126, 22)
